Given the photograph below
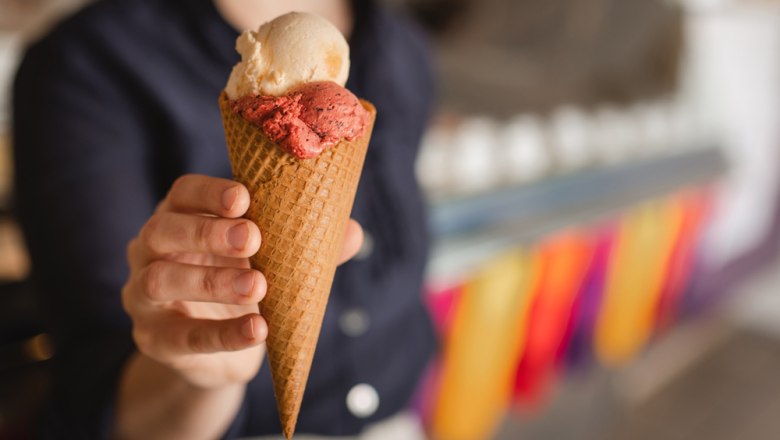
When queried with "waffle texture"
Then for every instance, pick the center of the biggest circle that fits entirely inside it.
(302, 207)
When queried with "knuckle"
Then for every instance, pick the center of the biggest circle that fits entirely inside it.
(225, 342)
(196, 340)
(132, 248)
(152, 281)
(134, 254)
(142, 339)
(179, 185)
(149, 231)
(204, 230)
(177, 195)
(126, 299)
(211, 283)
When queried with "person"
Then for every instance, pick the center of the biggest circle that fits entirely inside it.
(139, 250)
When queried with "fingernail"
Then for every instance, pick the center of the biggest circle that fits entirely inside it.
(229, 198)
(244, 283)
(248, 329)
(238, 235)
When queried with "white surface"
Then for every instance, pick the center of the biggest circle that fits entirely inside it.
(734, 60)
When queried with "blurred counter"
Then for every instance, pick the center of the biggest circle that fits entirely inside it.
(469, 230)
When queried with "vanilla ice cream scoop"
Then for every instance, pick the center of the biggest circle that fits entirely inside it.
(286, 52)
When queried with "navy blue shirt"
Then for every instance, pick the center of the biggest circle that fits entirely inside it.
(119, 100)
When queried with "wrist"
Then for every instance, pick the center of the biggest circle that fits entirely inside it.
(156, 400)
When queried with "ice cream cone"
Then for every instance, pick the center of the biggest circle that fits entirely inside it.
(302, 207)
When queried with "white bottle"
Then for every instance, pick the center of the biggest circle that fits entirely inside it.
(432, 166)
(614, 134)
(523, 155)
(570, 137)
(472, 168)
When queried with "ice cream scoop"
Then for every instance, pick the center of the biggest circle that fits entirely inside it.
(286, 52)
(308, 119)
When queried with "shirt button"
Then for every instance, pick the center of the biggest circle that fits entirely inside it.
(362, 400)
(367, 248)
(354, 322)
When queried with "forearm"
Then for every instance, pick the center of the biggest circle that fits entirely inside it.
(156, 402)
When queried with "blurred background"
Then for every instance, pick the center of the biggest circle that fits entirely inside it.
(602, 177)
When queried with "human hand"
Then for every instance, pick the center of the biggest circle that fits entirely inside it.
(191, 294)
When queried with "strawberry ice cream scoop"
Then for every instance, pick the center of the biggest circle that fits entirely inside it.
(308, 119)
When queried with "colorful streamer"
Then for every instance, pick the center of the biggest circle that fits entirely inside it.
(577, 350)
(695, 206)
(482, 350)
(564, 261)
(599, 291)
(636, 276)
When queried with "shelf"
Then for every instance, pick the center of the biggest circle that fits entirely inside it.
(468, 230)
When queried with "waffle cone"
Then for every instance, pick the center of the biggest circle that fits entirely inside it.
(302, 207)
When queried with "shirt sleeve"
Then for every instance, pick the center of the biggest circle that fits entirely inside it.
(83, 189)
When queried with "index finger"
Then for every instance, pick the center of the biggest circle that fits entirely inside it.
(199, 194)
